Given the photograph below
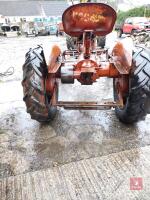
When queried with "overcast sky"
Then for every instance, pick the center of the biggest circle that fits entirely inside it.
(128, 4)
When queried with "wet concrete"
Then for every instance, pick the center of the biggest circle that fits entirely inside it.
(26, 145)
(101, 178)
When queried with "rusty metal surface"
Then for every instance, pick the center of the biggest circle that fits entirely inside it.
(87, 105)
(54, 63)
(89, 16)
(121, 59)
(122, 55)
(89, 70)
(122, 88)
(67, 74)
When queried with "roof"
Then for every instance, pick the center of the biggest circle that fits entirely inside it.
(32, 8)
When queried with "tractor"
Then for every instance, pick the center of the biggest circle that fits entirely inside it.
(128, 67)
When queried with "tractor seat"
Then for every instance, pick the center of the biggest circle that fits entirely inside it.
(97, 17)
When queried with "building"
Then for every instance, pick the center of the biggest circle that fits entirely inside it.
(17, 11)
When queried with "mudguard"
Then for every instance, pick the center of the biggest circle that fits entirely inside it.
(122, 55)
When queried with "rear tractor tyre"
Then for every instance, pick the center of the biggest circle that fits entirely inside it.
(70, 42)
(35, 97)
(119, 33)
(137, 99)
(101, 41)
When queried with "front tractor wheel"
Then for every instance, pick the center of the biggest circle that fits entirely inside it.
(35, 97)
(136, 99)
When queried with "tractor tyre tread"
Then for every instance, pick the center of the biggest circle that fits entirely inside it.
(34, 74)
(138, 102)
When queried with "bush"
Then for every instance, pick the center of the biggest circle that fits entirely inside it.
(135, 12)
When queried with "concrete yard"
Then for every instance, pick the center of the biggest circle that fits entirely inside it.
(80, 154)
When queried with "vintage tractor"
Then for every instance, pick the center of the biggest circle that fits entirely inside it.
(129, 68)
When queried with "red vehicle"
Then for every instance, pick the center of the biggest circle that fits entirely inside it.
(134, 24)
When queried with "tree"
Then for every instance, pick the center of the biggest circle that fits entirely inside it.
(135, 12)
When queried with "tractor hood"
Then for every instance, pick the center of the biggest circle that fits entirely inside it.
(97, 17)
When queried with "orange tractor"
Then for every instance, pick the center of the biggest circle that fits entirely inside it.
(129, 68)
